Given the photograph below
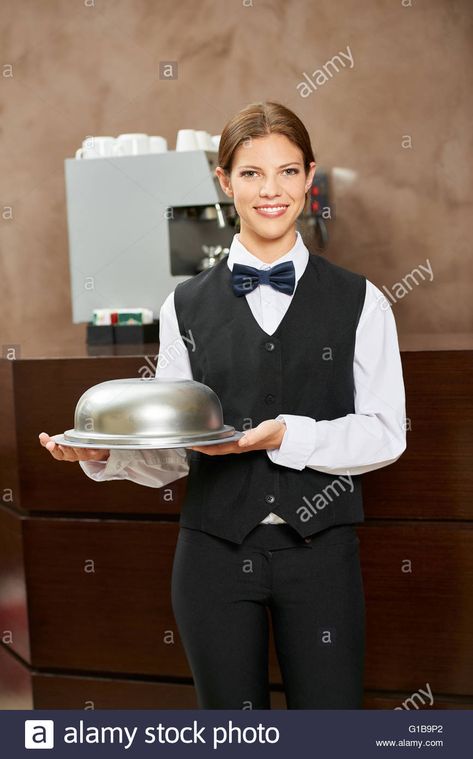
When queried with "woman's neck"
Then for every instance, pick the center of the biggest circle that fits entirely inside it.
(268, 249)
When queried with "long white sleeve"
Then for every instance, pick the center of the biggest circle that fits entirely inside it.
(372, 437)
(153, 468)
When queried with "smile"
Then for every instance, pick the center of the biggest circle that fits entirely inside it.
(271, 210)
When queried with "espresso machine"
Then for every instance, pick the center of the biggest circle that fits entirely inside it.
(140, 224)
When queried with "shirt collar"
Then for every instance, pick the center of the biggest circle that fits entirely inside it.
(298, 254)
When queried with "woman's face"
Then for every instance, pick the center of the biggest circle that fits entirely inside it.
(267, 184)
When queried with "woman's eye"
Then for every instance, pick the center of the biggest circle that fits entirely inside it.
(247, 172)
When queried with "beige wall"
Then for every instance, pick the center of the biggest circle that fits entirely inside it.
(80, 70)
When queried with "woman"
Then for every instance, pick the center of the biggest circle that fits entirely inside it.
(304, 357)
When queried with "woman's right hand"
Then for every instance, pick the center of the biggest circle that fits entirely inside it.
(68, 453)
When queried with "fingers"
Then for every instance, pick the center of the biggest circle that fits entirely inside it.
(71, 453)
(218, 450)
(93, 454)
(53, 448)
(256, 438)
(262, 436)
(43, 438)
(58, 452)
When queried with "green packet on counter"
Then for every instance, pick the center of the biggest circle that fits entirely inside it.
(122, 316)
(130, 317)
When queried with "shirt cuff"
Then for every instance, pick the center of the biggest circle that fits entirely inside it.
(298, 442)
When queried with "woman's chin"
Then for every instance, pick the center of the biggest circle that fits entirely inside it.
(271, 228)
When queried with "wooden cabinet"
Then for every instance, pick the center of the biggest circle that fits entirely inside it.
(71, 636)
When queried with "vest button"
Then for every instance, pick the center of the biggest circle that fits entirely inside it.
(269, 498)
(269, 346)
(269, 398)
(307, 540)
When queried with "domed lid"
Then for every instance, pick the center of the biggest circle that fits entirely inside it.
(148, 413)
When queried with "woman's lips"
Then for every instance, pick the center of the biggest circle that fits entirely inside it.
(271, 211)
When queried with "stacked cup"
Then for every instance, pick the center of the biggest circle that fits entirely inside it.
(141, 144)
(191, 139)
(124, 144)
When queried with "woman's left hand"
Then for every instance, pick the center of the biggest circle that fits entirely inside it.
(267, 435)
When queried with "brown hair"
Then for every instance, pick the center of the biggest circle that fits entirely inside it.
(258, 120)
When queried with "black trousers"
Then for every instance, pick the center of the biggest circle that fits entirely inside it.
(222, 595)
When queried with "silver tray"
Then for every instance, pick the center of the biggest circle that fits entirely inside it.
(135, 443)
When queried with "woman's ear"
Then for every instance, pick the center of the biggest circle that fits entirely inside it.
(224, 179)
(310, 175)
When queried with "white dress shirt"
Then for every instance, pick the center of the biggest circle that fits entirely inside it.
(370, 438)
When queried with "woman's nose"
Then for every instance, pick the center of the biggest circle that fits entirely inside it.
(270, 187)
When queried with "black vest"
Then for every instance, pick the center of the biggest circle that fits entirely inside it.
(305, 367)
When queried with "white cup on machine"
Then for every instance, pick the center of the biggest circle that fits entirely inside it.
(186, 140)
(131, 144)
(157, 144)
(204, 140)
(96, 147)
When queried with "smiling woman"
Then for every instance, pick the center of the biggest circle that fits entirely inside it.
(268, 194)
(305, 361)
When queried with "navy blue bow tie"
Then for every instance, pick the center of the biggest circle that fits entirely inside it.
(245, 278)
